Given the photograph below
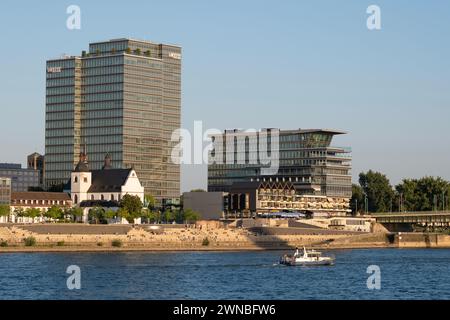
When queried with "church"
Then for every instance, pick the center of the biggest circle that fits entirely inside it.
(104, 188)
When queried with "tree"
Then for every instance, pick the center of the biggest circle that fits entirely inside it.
(19, 212)
(137, 51)
(425, 194)
(55, 213)
(378, 189)
(198, 190)
(132, 204)
(128, 50)
(97, 214)
(123, 213)
(150, 202)
(4, 210)
(357, 201)
(75, 212)
(110, 214)
(190, 215)
(168, 216)
(147, 53)
(32, 213)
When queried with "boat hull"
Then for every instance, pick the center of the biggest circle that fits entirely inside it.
(290, 261)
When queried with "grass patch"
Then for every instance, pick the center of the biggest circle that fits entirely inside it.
(205, 242)
(60, 243)
(117, 243)
(4, 244)
(30, 241)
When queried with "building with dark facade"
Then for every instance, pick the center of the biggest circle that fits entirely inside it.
(21, 179)
(122, 97)
(308, 165)
(36, 161)
(5, 191)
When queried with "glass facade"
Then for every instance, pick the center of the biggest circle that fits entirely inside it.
(5, 191)
(306, 158)
(123, 97)
(21, 179)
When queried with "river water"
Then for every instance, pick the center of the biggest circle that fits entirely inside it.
(404, 274)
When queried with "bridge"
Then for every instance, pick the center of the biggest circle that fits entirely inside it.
(426, 217)
(405, 221)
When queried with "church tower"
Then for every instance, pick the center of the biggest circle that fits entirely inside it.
(81, 180)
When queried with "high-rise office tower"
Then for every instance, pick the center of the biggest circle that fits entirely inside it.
(122, 98)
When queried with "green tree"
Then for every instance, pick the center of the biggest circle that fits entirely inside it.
(190, 215)
(55, 212)
(132, 204)
(97, 215)
(110, 214)
(128, 50)
(168, 216)
(76, 213)
(357, 201)
(4, 210)
(137, 51)
(19, 212)
(147, 53)
(32, 213)
(424, 194)
(123, 213)
(150, 202)
(378, 189)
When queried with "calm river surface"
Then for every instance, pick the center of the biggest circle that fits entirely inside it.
(405, 274)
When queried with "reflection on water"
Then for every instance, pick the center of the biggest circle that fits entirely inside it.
(405, 274)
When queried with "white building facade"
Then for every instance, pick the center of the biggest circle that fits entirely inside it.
(105, 187)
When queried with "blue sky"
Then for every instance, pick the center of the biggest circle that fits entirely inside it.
(253, 64)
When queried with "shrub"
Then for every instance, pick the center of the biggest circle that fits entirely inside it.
(205, 242)
(30, 241)
(116, 243)
(100, 244)
(4, 244)
(60, 243)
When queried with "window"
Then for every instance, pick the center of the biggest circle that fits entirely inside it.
(103, 197)
(85, 180)
(76, 179)
(75, 199)
(112, 197)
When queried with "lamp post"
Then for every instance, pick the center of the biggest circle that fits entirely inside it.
(366, 204)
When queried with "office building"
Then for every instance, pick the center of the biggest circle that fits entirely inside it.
(317, 172)
(122, 97)
(5, 191)
(21, 179)
(35, 161)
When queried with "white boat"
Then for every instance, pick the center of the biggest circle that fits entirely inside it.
(307, 258)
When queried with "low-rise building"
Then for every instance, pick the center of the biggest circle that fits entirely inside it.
(21, 179)
(104, 188)
(40, 200)
(209, 205)
(250, 198)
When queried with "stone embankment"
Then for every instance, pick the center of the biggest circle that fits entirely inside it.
(72, 237)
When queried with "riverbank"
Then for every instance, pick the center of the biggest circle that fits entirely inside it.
(82, 238)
